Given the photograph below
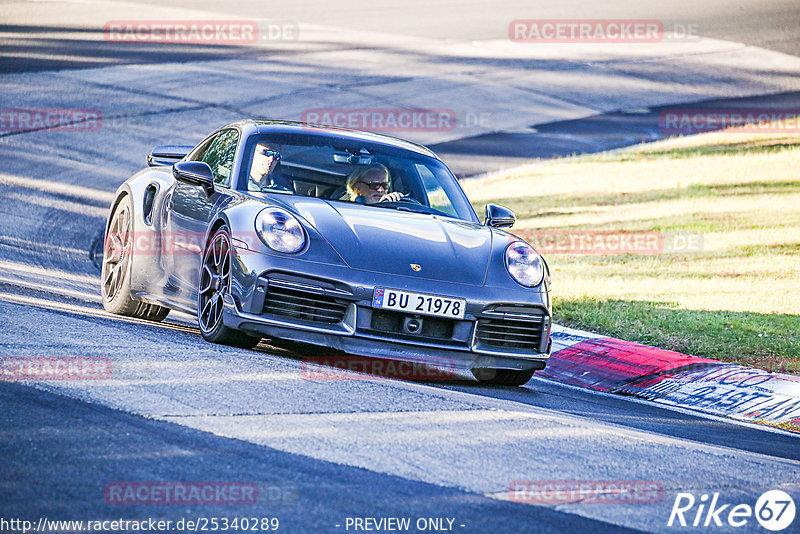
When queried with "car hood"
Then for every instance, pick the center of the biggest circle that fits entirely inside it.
(389, 241)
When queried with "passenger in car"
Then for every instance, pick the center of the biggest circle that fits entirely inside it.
(369, 185)
(265, 172)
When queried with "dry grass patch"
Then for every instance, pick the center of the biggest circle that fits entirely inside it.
(737, 299)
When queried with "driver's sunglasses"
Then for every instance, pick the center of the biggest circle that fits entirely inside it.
(377, 185)
(264, 151)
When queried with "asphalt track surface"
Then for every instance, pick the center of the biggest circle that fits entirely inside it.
(767, 24)
(320, 450)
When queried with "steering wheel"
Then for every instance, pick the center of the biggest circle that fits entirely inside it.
(405, 198)
(410, 199)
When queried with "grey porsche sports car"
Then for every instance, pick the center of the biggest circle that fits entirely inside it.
(345, 239)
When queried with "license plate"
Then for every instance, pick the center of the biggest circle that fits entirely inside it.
(406, 301)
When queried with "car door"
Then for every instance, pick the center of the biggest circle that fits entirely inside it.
(191, 210)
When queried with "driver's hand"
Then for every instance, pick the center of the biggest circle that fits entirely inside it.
(391, 197)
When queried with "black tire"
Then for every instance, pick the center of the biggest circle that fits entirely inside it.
(215, 281)
(115, 279)
(502, 377)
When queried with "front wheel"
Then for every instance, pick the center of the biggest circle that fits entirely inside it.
(215, 282)
(502, 377)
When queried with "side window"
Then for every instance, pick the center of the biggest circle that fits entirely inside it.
(200, 150)
(437, 197)
(220, 153)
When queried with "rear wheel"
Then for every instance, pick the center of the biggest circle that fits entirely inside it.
(502, 377)
(215, 282)
(115, 279)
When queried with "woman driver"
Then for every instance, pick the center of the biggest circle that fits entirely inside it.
(372, 184)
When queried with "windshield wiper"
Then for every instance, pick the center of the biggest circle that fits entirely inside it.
(392, 205)
(410, 208)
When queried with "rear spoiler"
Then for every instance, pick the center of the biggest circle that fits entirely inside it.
(167, 154)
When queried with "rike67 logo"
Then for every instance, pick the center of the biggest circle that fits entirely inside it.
(774, 510)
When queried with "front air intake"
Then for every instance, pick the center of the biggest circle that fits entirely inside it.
(306, 305)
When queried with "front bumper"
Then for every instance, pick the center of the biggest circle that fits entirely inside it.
(331, 305)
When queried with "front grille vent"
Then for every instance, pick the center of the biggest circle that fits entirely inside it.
(518, 332)
(306, 305)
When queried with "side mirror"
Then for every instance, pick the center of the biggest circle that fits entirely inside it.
(499, 217)
(195, 173)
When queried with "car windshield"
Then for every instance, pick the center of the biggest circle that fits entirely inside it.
(343, 169)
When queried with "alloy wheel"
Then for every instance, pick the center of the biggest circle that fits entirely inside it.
(215, 278)
(116, 253)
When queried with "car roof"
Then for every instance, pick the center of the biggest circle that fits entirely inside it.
(277, 126)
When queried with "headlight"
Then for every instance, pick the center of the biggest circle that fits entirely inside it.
(524, 264)
(280, 231)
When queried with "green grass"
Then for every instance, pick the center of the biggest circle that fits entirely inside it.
(752, 338)
(737, 299)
